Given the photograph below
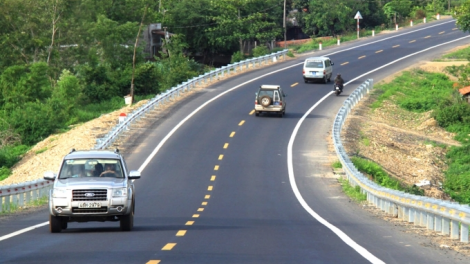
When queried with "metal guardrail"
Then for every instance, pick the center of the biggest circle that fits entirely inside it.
(448, 218)
(18, 195)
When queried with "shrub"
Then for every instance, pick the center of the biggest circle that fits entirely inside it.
(9, 156)
(337, 165)
(237, 56)
(452, 114)
(4, 173)
(260, 51)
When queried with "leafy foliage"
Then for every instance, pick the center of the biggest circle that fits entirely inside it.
(381, 177)
(462, 15)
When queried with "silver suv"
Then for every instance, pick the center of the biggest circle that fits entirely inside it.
(92, 185)
(270, 98)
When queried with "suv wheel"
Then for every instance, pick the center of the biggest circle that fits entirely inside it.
(127, 221)
(55, 224)
(256, 113)
(63, 224)
(265, 100)
(325, 79)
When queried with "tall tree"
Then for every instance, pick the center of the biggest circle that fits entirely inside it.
(462, 14)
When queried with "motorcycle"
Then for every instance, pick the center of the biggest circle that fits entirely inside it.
(337, 89)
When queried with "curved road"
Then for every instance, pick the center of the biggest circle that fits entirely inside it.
(220, 185)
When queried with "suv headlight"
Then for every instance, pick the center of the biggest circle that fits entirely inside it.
(120, 192)
(59, 193)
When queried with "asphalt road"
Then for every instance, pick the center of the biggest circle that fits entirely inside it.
(229, 187)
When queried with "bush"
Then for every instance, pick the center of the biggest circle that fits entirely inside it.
(4, 173)
(9, 156)
(260, 51)
(237, 56)
(453, 114)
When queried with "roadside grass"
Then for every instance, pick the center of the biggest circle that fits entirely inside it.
(462, 55)
(352, 192)
(14, 208)
(375, 172)
(337, 165)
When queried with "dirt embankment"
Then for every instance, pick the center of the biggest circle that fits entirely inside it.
(409, 146)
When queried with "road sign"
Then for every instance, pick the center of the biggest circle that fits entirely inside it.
(358, 15)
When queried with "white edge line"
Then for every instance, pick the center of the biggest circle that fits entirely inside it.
(24, 230)
(290, 168)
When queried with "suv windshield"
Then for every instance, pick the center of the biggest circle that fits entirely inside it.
(91, 168)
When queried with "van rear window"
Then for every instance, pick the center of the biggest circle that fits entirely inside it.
(314, 64)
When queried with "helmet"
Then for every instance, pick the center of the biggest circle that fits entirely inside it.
(339, 74)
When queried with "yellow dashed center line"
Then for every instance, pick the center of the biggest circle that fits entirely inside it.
(241, 123)
(225, 145)
(412, 41)
(252, 112)
(200, 209)
(379, 51)
(232, 134)
(195, 215)
(362, 57)
(207, 196)
(189, 223)
(181, 233)
(204, 203)
(427, 37)
(221, 157)
(442, 32)
(294, 84)
(396, 46)
(153, 262)
(209, 188)
(213, 178)
(344, 63)
(169, 246)
(216, 167)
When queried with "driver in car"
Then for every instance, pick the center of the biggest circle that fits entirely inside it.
(109, 171)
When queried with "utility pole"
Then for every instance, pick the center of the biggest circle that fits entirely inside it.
(284, 25)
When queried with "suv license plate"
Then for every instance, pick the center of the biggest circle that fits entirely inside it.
(89, 205)
(313, 73)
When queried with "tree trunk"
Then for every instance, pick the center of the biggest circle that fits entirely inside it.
(133, 58)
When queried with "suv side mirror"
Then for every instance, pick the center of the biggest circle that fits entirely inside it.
(49, 175)
(133, 175)
(332, 63)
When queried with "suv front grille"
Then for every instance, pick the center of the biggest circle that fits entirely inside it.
(90, 195)
(89, 210)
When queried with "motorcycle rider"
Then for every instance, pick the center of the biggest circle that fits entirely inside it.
(339, 81)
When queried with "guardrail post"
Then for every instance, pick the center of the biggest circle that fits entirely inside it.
(423, 218)
(464, 233)
(8, 203)
(406, 213)
(438, 223)
(411, 215)
(454, 229)
(430, 222)
(445, 226)
(28, 195)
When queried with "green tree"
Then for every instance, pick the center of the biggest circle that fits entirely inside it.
(328, 18)
(462, 15)
(22, 84)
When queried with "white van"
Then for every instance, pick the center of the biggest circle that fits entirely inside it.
(318, 68)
